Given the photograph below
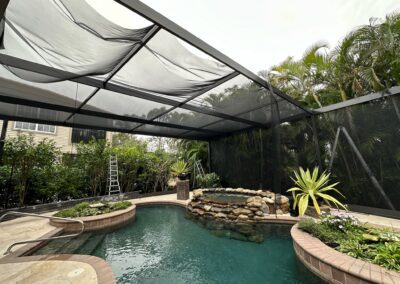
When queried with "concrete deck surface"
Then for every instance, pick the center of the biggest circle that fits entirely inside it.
(49, 271)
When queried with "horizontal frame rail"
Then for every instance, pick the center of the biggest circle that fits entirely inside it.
(155, 17)
(359, 100)
(91, 81)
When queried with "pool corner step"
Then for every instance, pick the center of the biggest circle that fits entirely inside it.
(90, 245)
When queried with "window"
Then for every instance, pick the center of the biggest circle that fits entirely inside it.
(35, 127)
(85, 135)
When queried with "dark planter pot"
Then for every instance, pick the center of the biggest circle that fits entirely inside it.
(182, 176)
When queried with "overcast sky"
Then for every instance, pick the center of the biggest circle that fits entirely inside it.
(262, 33)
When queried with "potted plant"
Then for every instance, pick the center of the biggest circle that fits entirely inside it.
(180, 169)
(315, 188)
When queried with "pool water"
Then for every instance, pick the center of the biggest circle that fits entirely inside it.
(225, 198)
(164, 246)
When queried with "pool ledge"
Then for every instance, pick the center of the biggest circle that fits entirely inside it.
(336, 267)
(98, 222)
(68, 268)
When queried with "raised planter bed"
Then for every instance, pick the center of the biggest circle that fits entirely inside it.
(98, 222)
(336, 267)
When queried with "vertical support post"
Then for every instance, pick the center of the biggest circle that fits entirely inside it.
(209, 156)
(363, 164)
(335, 144)
(2, 139)
(396, 108)
(276, 141)
(3, 7)
(261, 158)
(316, 142)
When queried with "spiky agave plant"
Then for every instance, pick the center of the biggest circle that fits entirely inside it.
(311, 186)
(179, 168)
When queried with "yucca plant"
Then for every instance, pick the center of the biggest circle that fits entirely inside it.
(180, 169)
(312, 186)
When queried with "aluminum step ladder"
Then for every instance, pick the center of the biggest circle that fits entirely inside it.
(197, 170)
(113, 183)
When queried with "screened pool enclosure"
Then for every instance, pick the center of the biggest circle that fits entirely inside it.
(68, 63)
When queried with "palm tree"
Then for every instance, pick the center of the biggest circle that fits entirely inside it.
(303, 79)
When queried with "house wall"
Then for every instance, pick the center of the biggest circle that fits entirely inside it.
(62, 136)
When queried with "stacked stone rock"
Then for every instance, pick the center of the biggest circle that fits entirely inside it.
(258, 206)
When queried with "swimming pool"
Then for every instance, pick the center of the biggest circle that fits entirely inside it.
(164, 246)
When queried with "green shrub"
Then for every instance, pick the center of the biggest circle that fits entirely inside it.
(119, 205)
(83, 209)
(324, 232)
(347, 235)
(387, 255)
(81, 206)
(208, 180)
(354, 248)
(67, 213)
(341, 222)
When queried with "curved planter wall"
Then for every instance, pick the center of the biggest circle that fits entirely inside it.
(99, 221)
(336, 267)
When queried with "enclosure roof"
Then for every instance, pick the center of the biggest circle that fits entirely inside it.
(65, 62)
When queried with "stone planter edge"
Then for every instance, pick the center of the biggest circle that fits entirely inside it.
(336, 267)
(99, 221)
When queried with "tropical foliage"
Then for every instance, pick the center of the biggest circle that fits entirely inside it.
(178, 168)
(346, 234)
(35, 173)
(208, 180)
(321, 77)
(313, 187)
(85, 209)
(365, 61)
(24, 163)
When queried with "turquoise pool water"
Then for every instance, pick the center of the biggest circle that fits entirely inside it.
(163, 246)
(226, 198)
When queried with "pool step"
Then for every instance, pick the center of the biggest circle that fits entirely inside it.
(52, 247)
(74, 244)
(91, 244)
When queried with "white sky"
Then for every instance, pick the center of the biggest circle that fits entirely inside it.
(262, 33)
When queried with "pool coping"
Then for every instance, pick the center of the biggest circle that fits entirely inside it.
(103, 270)
(334, 266)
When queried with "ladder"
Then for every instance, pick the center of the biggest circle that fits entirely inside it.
(113, 183)
(197, 170)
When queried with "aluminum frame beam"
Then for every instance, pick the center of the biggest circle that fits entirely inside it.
(85, 126)
(150, 34)
(359, 100)
(67, 109)
(155, 17)
(219, 82)
(90, 81)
